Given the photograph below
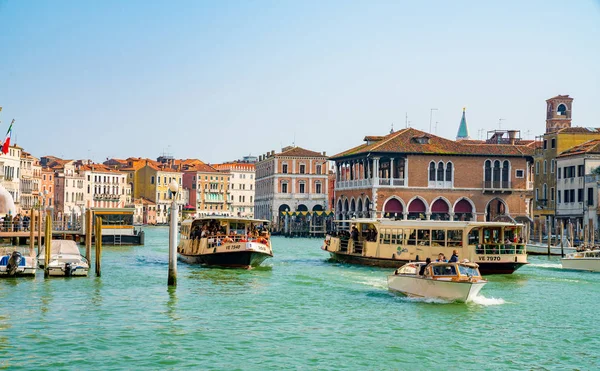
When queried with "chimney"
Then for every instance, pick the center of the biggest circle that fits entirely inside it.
(512, 136)
(324, 153)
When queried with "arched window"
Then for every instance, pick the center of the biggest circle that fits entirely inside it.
(545, 192)
(545, 166)
(561, 109)
(449, 172)
(505, 174)
(432, 172)
(496, 173)
(552, 166)
(488, 171)
(440, 171)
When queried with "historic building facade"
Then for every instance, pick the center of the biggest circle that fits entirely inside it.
(208, 189)
(410, 174)
(241, 187)
(295, 179)
(559, 137)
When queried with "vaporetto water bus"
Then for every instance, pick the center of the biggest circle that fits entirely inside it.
(224, 241)
(498, 247)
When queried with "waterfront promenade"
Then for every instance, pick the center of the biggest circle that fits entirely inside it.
(298, 312)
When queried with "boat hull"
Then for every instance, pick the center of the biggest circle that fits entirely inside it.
(59, 272)
(462, 291)
(581, 264)
(537, 249)
(484, 268)
(238, 259)
(21, 272)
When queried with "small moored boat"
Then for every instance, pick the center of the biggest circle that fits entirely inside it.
(17, 263)
(449, 281)
(224, 242)
(588, 260)
(65, 259)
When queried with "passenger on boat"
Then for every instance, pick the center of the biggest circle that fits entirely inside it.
(454, 257)
(441, 258)
(424, 266)
(354, 234)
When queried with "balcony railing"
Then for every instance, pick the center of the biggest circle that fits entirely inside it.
(496, 184)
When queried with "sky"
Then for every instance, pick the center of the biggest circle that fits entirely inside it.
(219, 80)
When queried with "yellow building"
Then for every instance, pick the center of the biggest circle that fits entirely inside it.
(152, 182)
(559, 137)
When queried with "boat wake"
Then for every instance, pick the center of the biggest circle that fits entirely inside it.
(482, 300)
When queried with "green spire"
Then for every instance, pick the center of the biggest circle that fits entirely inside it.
(463, 130)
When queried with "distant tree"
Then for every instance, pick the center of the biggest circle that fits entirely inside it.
(596, 171)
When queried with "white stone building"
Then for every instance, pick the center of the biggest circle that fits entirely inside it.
(241, 187)
(11, 172)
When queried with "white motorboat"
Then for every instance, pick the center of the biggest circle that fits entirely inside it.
(65, 259)
(537, 248)
(17, 262)
(449, 281)
(588, 260)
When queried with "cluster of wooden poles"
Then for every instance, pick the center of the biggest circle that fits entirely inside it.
(37, 220)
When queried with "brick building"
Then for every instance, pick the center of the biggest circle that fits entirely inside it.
(410, 174)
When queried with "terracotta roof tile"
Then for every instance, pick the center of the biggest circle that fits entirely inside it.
(579, 129)
(409, 141)
(591, 146)
(299, 152)
(202, 168)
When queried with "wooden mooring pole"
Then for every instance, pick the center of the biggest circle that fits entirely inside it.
(88, 235)
(562, 248)
(98, 246)
(549, 238)
(32, 233)
(47, 244)
(39, 221)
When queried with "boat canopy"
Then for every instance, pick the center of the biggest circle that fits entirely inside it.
(62, 247)
(227, 219)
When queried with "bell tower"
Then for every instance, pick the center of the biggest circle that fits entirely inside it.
(558, 113)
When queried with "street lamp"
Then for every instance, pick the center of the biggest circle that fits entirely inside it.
(172, 280)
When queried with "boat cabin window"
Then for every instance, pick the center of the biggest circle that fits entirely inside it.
(511, 235)
(492, 235)
(592, 254)
(455, 237)
(474, 236)
(368, 232)
(423, 237)
(385, 236)
(468, 271)
(237, 228)
(438, 237)
(412, 236)
(444, 270)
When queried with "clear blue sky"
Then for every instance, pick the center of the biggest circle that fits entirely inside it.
(219, 80)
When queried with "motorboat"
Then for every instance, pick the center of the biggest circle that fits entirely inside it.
(588, 260)
(17, 262)
(541, 248)
(224, 241)
(65, 259)
(459, 282)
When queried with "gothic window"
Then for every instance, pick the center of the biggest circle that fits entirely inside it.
(505, 171)
(449, 172)
(432, 172)
(488, 171)
(561, 109)
(496, 172)
(440, 171)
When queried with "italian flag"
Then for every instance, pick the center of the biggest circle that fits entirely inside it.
(7, 140)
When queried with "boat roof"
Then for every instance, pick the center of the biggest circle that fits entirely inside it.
(67, 247)
(466, 264)
(425, 223)
(228, 219)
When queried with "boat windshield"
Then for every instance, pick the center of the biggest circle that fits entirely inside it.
(444, 270)
(468, 271)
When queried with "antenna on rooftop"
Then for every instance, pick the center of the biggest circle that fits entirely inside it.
(392, 129)
(500, 123)
(479, 133)
(406, 122)
(528, 134)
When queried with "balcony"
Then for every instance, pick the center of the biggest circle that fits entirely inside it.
(497, 186)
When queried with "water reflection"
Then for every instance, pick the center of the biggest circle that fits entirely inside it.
(172, 304)
(230, 281)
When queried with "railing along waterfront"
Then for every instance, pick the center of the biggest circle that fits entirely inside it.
(362, 183)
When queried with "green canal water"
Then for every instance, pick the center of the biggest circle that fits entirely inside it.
(299, 312)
